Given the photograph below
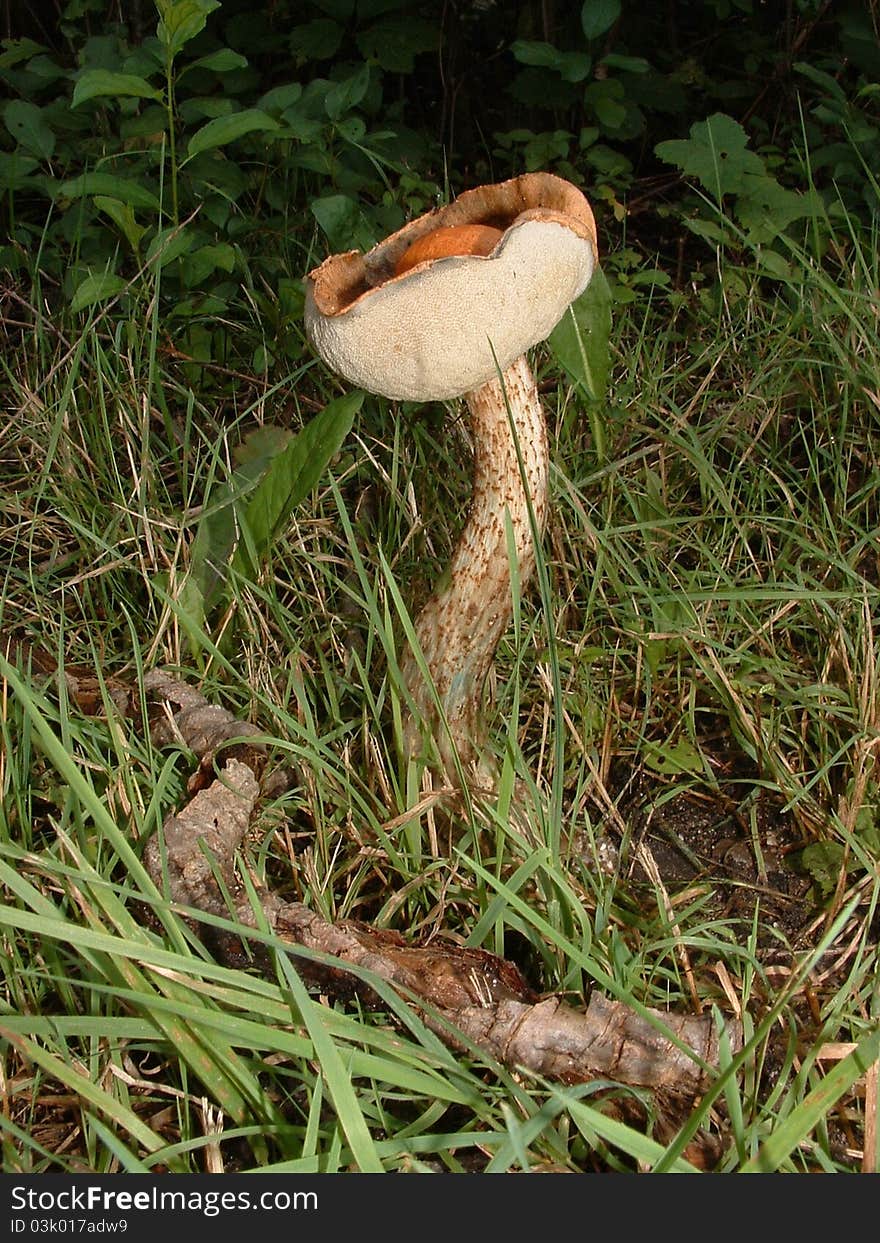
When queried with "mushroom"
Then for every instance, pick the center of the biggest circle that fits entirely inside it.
(447, 307)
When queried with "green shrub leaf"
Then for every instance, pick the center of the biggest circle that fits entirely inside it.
(580, 340)
(597, 16)
(15, 169)
(318, 39)
(207, 259)
(97, 288)
(716, 154)
(218, 529)
(342, 219)
(169, 244)
(131, 192)
(223, 130)
(292, 474)
(766, 209)
(122, 215)
(28, 128)
(571, 66)
(280, 97)
(17, 50)
(181, 20)
(222, 61)
(673, 759)
(104, 82)
(396, 41)
(347, 94)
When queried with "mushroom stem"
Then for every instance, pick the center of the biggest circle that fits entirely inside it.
(459, 627)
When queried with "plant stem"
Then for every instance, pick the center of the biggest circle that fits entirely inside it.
(172, 137)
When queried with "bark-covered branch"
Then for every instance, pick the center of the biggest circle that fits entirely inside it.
(469, 996)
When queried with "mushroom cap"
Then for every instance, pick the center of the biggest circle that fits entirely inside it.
(448, 325)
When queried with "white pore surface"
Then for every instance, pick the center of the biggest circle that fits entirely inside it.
(445, 327)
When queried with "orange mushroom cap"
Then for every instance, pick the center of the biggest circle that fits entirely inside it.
(441, 325)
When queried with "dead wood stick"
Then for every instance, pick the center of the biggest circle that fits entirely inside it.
(469, 996)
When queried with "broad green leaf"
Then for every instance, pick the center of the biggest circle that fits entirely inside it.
(97, 288)
(352, 129)
(18, 50)
(223, 130)
(395, 42)
(190, 609)
(222, 61)
(28, 128)
(293, 474)
(545, 149)
(345, 95)
(716, 154)
(280, 97)
(626, 64)
(15, 169)
(150, 122)
(343, 221)
(571, 66)
(597, 16)
(606, 97)
(145, 60)
(122, 216)
(218, 529)
(46, 69)
(103, 82)
(823, 861)
(709, 230)
(201, 108)
(766, 209)
(169, 244)
(207, 259)
(109, 184)
(203, 305)
(580, 340)
(771, 263)
(673, 759)
(180, 22)
(821, 79)
(318, 39)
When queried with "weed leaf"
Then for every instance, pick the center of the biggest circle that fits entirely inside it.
(293, 473)
(218, 529)
(103, 82)
(181, 21)
(597, 16)
(224, 60)
(131, 192)
(571, 66)
(222, 130)
(27, 127)
(580, 340)
(98, 288)
(716, 154)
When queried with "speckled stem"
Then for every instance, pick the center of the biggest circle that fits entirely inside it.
(459, 627)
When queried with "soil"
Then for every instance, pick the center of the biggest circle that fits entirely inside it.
(749, 864)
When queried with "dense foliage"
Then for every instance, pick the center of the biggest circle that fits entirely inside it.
(210, 146)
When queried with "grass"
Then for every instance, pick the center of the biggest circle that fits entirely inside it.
(709, 611)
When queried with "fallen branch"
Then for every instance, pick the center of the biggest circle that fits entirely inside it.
(469, 996)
